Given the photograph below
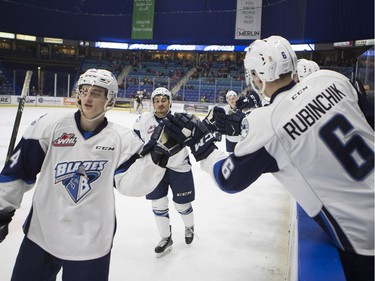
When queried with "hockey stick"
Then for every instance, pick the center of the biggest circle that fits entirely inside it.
(21, 104)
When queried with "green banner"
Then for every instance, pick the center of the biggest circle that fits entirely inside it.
(143, 19)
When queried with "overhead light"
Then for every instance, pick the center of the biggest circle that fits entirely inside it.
(7, 35)
(53, 40)
(303, 47)
(25, 37)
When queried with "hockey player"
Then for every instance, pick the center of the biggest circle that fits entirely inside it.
(74, 161)
(178, 176)
(230, 108)
(316, 137)
(226, 119)
(139, 101)
(306, 67)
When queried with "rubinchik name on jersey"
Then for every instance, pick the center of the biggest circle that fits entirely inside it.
(313, 111)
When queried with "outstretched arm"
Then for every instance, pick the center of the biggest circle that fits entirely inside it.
(138, 176)
(230, 172)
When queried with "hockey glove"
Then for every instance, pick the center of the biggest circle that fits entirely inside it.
(229, 125)
(244, 104)
(209, 121)
(5, 219)
(189, 130)
(161, 146)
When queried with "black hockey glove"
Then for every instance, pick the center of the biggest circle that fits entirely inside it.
(229, 125)
(217, 136)
(189, 130)
(244, 104)
(209, 122)
(5, 219)
(161, 146)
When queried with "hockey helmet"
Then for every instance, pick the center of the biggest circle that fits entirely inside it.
(306, 67)
(231, 93)
(161, 91)
(101, 78)
(269, 58)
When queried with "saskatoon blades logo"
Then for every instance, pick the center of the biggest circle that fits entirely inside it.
(244, 128)
(78, 176)
(65, 140)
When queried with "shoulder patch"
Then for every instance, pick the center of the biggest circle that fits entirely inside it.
(244, 128)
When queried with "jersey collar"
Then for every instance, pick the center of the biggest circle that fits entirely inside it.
(77, 117)
(282, 89)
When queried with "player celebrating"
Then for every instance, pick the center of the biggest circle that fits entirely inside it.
(178, 176)
(77, 158)
(225, 120)
(230, 108)
(316, 137)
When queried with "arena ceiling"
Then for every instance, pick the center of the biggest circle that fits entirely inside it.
(189, 21)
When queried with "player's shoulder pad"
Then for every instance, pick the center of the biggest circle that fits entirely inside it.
(142, 120)
(125, 134)
(45, 123)
(144, 116)
(256, 131)
(327, 73)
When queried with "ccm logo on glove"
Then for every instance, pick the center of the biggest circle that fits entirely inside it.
(203, 141)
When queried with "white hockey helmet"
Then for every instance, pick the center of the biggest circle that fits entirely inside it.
(306, 67)
(231, 93)
(161, 91)
(314, 66)
(269, 58)
(101, 78)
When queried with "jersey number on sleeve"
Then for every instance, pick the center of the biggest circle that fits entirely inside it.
(350, 149)
(14, 158)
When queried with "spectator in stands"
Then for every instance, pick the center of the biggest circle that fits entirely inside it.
(369, 93)
(364, 90)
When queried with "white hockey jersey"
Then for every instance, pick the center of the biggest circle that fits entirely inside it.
(73, 208)
(315, 139)
(145, 125)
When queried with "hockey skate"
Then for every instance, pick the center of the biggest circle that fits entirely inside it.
(164, 246)
(189, 234)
